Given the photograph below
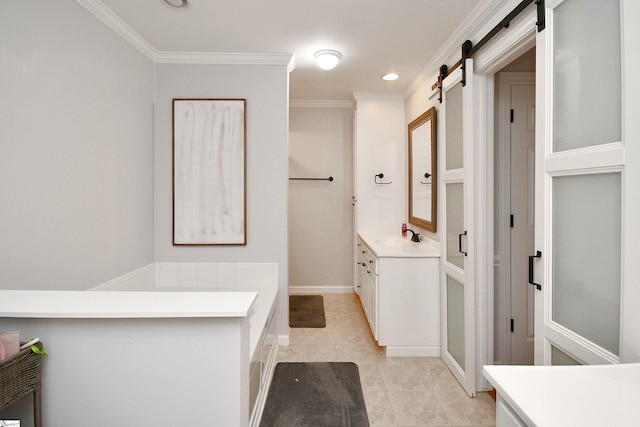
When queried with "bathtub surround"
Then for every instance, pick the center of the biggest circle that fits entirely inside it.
(143, 341)
(196, 275)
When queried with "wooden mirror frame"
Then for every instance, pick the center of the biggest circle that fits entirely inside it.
(414, 218)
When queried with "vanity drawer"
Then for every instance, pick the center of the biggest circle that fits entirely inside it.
(367, 257)
(372, 261)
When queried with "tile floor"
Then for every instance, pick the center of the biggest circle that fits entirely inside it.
(398, 391)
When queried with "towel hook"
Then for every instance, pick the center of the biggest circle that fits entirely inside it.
(426, 175)
(380, 175)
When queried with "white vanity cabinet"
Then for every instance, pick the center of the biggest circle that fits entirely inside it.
(367, 283)
(398, 284)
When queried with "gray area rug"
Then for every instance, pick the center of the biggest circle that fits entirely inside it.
(306, 311)
(315, 395)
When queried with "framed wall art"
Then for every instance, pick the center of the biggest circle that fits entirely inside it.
(209, 172)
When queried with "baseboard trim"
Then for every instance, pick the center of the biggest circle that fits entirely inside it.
(407, 351)
(283, 340)
(320, 289)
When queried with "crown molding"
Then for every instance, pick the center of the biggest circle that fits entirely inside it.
(320, 104)
(113, 21)
(374, 96)
(225, 58)
(482, 13)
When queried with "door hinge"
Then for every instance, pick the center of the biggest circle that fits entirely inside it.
(512, 115)
(511, 325)
(511, 220)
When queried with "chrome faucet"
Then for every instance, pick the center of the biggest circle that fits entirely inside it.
(415, 237)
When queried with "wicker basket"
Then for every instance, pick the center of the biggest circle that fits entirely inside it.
(19, 376)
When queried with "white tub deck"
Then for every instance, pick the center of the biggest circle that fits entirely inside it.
(125, 304)
(142, 357)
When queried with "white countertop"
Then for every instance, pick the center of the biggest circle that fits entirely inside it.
(396, 246)
(114, 304)
(549, 396)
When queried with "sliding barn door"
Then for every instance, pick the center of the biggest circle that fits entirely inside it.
(456, 188)
(580, 173)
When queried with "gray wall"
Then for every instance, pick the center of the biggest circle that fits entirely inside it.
(266, 91)
(76, 149)
(321, 212)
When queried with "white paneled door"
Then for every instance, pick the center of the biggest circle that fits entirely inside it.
(522, 224)
(580, 173)
(456, 188)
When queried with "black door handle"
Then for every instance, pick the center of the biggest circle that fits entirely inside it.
(531, 257)
(460, 242)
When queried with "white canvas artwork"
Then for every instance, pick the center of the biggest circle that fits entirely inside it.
(209, 172)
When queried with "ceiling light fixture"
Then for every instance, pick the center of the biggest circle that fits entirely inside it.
(177, 4)
(390, 76)
(328, 59)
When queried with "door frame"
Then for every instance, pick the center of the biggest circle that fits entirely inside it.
(505, 47)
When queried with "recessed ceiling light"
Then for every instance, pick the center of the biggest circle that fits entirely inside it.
(328, 59)
(390, 76)
(177, 4)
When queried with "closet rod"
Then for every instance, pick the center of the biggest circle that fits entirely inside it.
(311, 179)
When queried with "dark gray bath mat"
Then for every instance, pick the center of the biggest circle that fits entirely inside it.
(315, 395)
(306, 311)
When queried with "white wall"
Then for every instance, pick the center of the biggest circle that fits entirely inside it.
(321, 212)
(76, 149)
(415, 105)
(381, 146)
(266, 91)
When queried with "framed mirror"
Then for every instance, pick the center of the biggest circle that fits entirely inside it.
(422, 171)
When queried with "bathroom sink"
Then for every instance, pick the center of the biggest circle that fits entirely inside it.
(395, 241)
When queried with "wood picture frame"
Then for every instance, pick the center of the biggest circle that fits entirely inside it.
(209, 171)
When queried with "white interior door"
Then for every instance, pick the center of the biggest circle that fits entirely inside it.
(522, 224)
(456, 188)
(579, 183)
